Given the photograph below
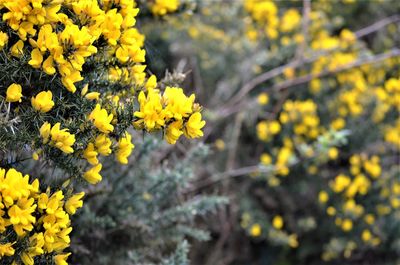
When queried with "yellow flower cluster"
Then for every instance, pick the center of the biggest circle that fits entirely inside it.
(66, 51)
(280, 159)
(102, 145)
(61, 38)
(364, 172)
(291, 19)
(265, 13)
(355, 99)
(101, 119)
(360, 165)
(276, 233)
(162, 7)
(387, 99)
(267, 129)
(392, 134)
(57, 137)
(303, 116)
(173, 111)
(32, 223)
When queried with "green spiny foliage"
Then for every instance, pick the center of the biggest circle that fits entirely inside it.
(141, 216)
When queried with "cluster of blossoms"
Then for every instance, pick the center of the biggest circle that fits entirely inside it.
(324, 99)
(65, 38)
(266, 19)
(276, 229)
(162, 7)
(303, 117)
(34, 225)
(296, 127)
(174, 111)
(365, 178)
(78, 91)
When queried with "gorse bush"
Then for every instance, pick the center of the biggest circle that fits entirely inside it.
(140, 216)
(73, 91)
(302, 101)
(98, 158)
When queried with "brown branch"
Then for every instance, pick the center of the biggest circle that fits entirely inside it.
(305, 24)
(234, 143)
(226, 175)
(376, 26)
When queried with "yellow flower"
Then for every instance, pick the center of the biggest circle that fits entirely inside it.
(263, 99)
(347, 225)
(73, 203)
(331, 211)
(69, 77)
(125, 148)
(289, 72)
(45, 132)
(101, 119)
(21, 215)
(27, 259)
(293, 243)
(277, 222)
(6, 249)
(92, 175)
(173, 132)
(103, 145)
(14, 93)
(151, 114)
(35, 156)
(93, 96)
(162, 7)
(90, 154)
(369, 219)
(3, 39)
(340, 183)
(220, 144)
(48, 66)
(60, 138)
(17, 49)
(323, 196)
(43, 101)
(194, 125)
(151, 82)
(255, 230)
(36, 58)
(178, 106)
(290, 20)
(266, 129)
(366, 235)
(338, 124)
(61, 259)
(333, 153)
(265, 159)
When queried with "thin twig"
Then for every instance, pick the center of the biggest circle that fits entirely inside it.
(234, 143)
(305, 24)
(377, 26)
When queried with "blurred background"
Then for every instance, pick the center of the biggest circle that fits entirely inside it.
(300, 159)
(302, 103)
